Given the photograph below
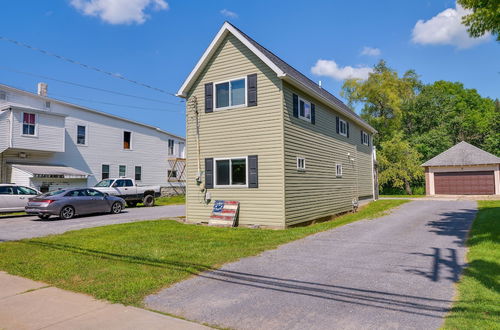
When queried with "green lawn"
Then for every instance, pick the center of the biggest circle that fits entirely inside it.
(478, 302)
(124, 263)
(11, 214)
(172, 200)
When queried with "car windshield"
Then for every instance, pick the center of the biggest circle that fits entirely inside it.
(104, 183)
(53, 193)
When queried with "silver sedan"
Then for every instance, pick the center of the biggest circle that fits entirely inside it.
(70, 202)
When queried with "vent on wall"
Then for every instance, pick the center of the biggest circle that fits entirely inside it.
(3, 95)
(47, 104)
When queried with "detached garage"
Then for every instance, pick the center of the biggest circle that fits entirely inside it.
(463, 170)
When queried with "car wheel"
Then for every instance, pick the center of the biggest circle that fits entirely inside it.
(44, 216)
(131, 204)
(148, 200)
(116, 208)
(67, 212)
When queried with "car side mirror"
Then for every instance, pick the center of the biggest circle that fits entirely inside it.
(106, 194)
(115, 185)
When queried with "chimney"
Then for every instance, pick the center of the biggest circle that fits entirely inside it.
(42, 89)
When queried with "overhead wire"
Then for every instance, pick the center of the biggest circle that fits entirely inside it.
(87, 86)
(90, 67)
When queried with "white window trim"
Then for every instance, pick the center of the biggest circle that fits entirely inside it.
(131, 140)
(231, 173)
(299, 168)
(86, 144)
(340, 127)
(310, 110)
(214, 93)
(36, 125)
(122, 176)
(365, 141)
(337, 174)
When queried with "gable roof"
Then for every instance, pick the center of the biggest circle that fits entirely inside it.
(463, 153)
(282, 69)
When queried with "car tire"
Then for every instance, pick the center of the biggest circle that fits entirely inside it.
(148, 200)
(131, 204)
(116, 208)
(67, 212)
(44, 216)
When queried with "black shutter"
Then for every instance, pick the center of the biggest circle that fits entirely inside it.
(347, 123)
(295, 106)
(313, 114)
(361, 131)
(337, 124)
(209, 97)
(252, 90)
(209, 173)
(253, 172)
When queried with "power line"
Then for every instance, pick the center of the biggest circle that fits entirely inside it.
(86, 86)
(90, 67)
(115, 104)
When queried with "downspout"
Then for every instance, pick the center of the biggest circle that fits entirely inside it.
(11, 126)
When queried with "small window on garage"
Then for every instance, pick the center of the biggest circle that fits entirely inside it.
(81, 135)
(127, 140)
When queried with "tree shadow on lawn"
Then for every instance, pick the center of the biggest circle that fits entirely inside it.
(418, 305)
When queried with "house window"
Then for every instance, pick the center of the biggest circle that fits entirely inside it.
(230, 93)
(105, 172)
(342, 127)
(338, 170)
(304, 109)
(122, 170)
(3, 95)
(138, 173)
(301, 163)
(81, 135)
(127, 138)
(29, 124)
(170, 147)
(172, 173)
(231, 172)
(47, 104)
(365, 138)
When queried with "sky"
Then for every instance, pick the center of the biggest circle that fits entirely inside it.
(158, 42)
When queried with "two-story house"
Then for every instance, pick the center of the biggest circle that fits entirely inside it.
(49, 144)
(261, 133)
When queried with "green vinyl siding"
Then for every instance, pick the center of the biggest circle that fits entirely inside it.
(317, 192)
(243, 131)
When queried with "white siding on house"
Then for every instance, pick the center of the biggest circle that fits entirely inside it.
(104, 141)
(4, 130)
(20, 177)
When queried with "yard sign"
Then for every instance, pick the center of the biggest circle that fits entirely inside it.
(224, 213)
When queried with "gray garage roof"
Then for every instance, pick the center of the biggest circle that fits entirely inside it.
(463, 153)
(52, 171)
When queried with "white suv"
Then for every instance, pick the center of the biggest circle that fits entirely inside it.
(14, 198)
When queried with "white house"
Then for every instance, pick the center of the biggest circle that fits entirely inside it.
(49, 144)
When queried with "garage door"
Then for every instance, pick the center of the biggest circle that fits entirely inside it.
(465, 183)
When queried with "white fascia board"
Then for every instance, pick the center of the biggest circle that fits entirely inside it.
(225, 29)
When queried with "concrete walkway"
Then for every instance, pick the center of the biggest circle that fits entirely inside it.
(393, 272)
(26, 304)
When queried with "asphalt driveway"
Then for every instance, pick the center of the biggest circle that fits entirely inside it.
(394, 272)
(14, 228)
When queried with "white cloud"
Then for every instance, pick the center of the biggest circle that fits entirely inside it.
(119, 11)
(228, 13)
(446, 28)
(369, 51)
(332, 70)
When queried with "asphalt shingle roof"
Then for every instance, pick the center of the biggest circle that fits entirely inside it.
(299, 77)
(463, 153)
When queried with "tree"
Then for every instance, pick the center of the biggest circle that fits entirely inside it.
(445, 113)
(383, 94)
(485, 17)
(492, 140)
(399, 164)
